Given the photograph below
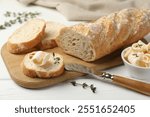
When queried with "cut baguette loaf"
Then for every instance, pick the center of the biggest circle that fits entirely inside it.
(27, 36)
(42, 64)
(91, 41)
(51, 32)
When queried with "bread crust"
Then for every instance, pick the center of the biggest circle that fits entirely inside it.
(34, 73)
(106, 34)
(18, 48)
(46, 44)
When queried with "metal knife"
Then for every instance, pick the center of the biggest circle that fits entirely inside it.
(135, 85)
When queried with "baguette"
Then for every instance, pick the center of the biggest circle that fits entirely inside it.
(42, 64)
(91, 41)
(26, 37)
(51, 32)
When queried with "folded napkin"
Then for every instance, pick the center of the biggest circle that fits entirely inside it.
(88, 9)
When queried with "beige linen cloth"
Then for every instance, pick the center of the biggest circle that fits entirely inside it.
(88, 9)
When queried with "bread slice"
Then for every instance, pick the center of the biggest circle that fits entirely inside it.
(51, 32)
(42, 64)
(27, 36)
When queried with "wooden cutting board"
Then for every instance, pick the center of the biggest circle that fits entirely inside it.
(13, 61)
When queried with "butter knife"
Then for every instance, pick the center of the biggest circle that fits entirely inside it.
(135, 85)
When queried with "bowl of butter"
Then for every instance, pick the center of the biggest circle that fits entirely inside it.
(137, 60)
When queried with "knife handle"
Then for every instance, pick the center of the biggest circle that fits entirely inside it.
(135, 85)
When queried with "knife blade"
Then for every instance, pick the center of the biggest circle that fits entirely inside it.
(132, 84)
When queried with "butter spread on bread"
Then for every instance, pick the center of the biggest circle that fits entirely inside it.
(42, 64)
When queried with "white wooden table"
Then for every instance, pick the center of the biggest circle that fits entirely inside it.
(65, 91)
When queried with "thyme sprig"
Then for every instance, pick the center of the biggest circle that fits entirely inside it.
(17, 17)
(56, 59)
(84, 86)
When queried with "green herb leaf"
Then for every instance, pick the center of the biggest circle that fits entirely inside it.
(74, 83)
(7, 14)
(7, 24)
(2, 27)
(84, 85)
(93, 89)
(12, 21)
(53, 54)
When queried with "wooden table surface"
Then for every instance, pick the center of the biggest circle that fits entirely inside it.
(64, 91)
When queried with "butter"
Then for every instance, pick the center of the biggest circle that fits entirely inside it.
(148, 48)
(139, 46)
(138, 54)
(46, 61)
(144, 60)
(42, 59)
(38, 57)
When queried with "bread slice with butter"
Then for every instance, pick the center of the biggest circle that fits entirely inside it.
(42, 64)
(27, 36)
(51, 32)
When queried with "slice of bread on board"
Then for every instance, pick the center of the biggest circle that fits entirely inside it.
(51, 32)
(42, 64)
(27, 36)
